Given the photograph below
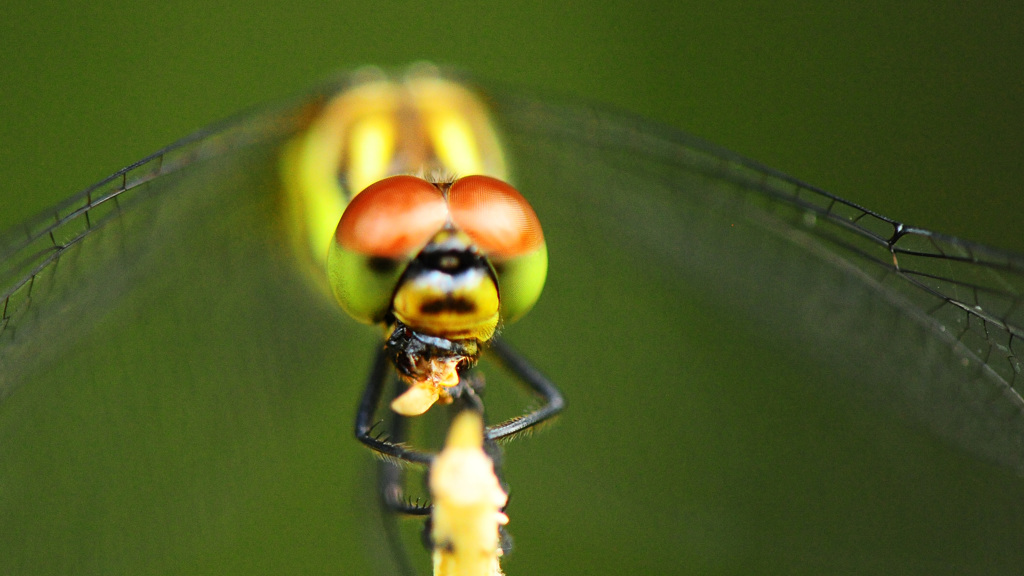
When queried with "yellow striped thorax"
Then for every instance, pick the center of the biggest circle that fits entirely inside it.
(377, 127)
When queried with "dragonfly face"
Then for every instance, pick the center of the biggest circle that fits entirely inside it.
(427, 260)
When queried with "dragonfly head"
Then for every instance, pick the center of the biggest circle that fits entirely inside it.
(439, 264)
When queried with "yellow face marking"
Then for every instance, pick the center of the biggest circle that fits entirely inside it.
(453, 307)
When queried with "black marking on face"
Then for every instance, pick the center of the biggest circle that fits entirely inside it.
(448, 304)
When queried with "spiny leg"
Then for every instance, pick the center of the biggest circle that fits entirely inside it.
(392, 498)
(521, 368)
(536, 382)
(365, 423)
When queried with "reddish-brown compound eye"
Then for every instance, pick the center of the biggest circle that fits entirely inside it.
(383, 228)
(498, 219)
(392, 218)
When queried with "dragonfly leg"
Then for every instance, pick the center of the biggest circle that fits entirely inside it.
(513, 362)
(536, 382)
(365, 423)
(394, 500)
(391, 477)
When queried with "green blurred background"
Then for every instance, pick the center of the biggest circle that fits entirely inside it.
(910, 108)
(913, 109)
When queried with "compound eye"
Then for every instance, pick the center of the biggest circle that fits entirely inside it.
(382, 229)
(496, 216)
(393, 218)
(504, 226)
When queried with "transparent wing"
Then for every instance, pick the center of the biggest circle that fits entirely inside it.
(167, 374)
(31, 254)
(761, 377)
(688, 204)
(766, 378)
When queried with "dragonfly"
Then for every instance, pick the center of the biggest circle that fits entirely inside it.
(763, 375)
(438, 260)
